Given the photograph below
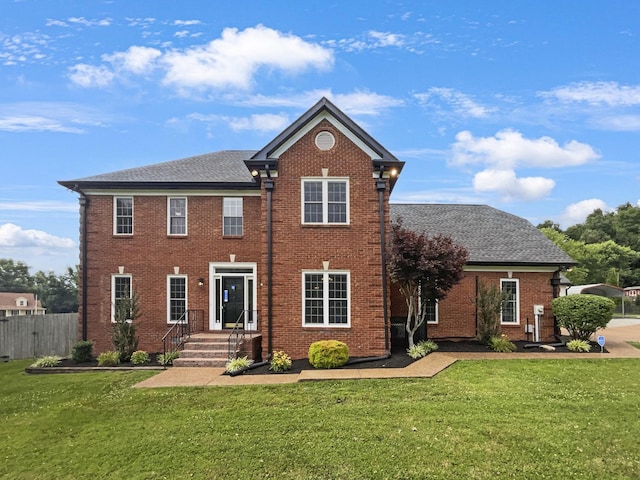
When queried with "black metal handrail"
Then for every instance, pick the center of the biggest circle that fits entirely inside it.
(191, 321)
(239, 333)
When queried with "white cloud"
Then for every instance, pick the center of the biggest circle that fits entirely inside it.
(461, 103)
(91, 76)
(622, 123)
(47, 117)
(105, 22)
(187, 22)
(230, 61)
(181, 33)
(356, 103)
(260, 122)
(578, 212)
(47, 206)
(508, 149)
(14, 236)
(372, 39)
(507, 184)
(233, 60)
(596, 93)
(386, 39)
(55, 23)
(139, 60)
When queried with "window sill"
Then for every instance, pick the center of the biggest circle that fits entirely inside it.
(326, 327)
(176, 236)
(232, 237)
(325, 225)
(123, 235)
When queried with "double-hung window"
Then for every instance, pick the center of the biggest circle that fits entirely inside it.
(326, 299)
(325, 201)
(232, 216)
(177, 216)
(511, 305)
(123, 216)
(121, 294)
(176, 297)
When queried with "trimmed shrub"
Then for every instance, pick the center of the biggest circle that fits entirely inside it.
(280, 362)
(46, 362)
(140, 357)
(578, 346)
(82, 351)
(109, 359)
(328, 354)
(237, 364)
(502, 344)
(422, 349)
(582, 314)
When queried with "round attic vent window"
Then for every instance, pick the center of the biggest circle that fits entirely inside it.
(325, 141)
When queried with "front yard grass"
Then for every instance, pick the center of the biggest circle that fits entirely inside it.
(634, 344)
(478, 419)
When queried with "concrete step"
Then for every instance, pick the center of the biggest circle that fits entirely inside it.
(219, 354)
(209, 337)
(205, 345)
(199, 362)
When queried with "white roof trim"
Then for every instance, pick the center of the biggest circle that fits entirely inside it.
(336, 123)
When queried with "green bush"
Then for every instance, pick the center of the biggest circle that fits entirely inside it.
(82, 351)
(280, 362)
(168, 358)
(237, 364)
(582, 314)
(124, 328)
(109, 359)
(328, 354)
(140, 357)
(45, 362)
(422, 349)
(502, 344)
(578, 346)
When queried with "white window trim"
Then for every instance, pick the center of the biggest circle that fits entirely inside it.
(517, 282)
(186, 296)
(115, 215)
(325, 298)
(186, 218)
(113, 292)
(242, 217)
(325, 199)
(436, 321)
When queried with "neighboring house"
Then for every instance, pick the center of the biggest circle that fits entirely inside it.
(15, 304)
(288, 241)
(632, 291)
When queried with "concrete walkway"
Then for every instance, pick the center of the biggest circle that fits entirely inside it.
(615, 337)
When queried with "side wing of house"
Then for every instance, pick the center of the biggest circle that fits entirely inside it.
(504, 251)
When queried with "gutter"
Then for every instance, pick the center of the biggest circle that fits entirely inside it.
(381, 186)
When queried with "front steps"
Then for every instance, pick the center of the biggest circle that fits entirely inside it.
(204, 350)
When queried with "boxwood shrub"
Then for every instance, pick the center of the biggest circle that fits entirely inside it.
(328, 354)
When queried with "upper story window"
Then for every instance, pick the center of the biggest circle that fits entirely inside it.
(177, 216)
(511, 304)
(123, 216)
(325, 201)
(121, 294)
(232, 216)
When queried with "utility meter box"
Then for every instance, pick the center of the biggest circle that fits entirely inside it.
(538, 309)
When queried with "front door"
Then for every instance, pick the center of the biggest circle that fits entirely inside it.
(232, 301)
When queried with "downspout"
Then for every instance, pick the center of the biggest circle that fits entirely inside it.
(84, 202)
(381, 185)
(268, 186)
(555, 286)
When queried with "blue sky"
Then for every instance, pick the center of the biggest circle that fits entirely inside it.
(531, 107)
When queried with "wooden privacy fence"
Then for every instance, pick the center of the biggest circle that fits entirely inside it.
(33, 336)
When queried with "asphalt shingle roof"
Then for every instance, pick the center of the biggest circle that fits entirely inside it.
(491, 236)
(226, 166)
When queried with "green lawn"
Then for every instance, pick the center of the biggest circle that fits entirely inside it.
(476, 420)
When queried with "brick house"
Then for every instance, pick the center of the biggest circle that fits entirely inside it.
(287, 242)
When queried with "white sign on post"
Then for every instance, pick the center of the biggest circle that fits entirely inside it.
(601, 342)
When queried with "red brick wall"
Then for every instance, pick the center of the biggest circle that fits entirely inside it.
(149, 255)
(457, 311)
(354, 248)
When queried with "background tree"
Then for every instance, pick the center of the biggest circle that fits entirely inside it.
(425, 268)
(58, 293)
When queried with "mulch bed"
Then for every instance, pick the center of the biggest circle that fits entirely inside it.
(400, 359)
